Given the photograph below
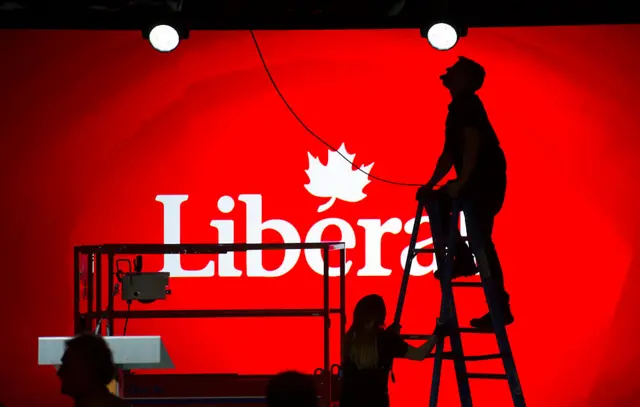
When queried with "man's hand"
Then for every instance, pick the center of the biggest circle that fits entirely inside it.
(423, 192)
(453, 188)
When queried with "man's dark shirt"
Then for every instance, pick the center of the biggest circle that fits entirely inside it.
(369, 387)
(489, 174)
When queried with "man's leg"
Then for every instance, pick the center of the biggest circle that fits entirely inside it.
(463, 264)
(484, 220)
(485, 226)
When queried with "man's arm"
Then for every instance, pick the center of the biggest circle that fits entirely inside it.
(443, 166)
(471, 140)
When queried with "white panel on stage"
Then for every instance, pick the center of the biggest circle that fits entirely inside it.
(129, 352)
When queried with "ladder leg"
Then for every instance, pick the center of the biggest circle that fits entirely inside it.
(448, 313)
(408, 262)
(445, 252)
(496, 311)
(437, 372)
(443, 265)
(464, 389)
(407, 271)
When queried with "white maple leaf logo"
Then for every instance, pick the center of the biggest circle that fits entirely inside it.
(336, 180)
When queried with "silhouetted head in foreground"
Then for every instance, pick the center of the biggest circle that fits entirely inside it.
(368, 318)
(292, 389)
(87, 368)
(464, 76)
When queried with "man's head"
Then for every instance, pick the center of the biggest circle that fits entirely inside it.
(292, 389)
(87, 366)
(463, 76)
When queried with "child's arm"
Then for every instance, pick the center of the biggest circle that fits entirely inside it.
(423, 351)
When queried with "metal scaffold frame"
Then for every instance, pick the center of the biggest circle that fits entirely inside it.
(95, 255)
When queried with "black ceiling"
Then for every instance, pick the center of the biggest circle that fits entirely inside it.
(309, 14)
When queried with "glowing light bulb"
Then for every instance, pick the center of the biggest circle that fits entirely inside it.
(442, 36)
(164, 38)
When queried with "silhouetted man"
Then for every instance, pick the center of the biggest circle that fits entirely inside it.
(87, 368)
(472, 148)
(292, 389)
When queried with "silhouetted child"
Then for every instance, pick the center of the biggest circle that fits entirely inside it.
(369, 350)
(87, 368)
(292, 389)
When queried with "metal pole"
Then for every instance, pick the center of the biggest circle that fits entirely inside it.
(110, 273)
(76, 291)
(97, 287)
(98, 275)
(327, 326)
(343, 301)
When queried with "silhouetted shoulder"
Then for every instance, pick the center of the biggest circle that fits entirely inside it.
(393, 344)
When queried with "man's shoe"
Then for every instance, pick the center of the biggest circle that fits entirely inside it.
(485, 323)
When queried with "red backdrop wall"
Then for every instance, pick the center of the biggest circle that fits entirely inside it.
(95, 126)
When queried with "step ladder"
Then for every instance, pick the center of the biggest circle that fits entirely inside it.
(445, 252)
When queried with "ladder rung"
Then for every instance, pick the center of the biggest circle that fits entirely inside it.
(445, 356)
(418, 251)
(490, 376)
(475, 331)
(427, 336)
(415, 336)
(451, 356)
(483, 357)
(466, 284)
